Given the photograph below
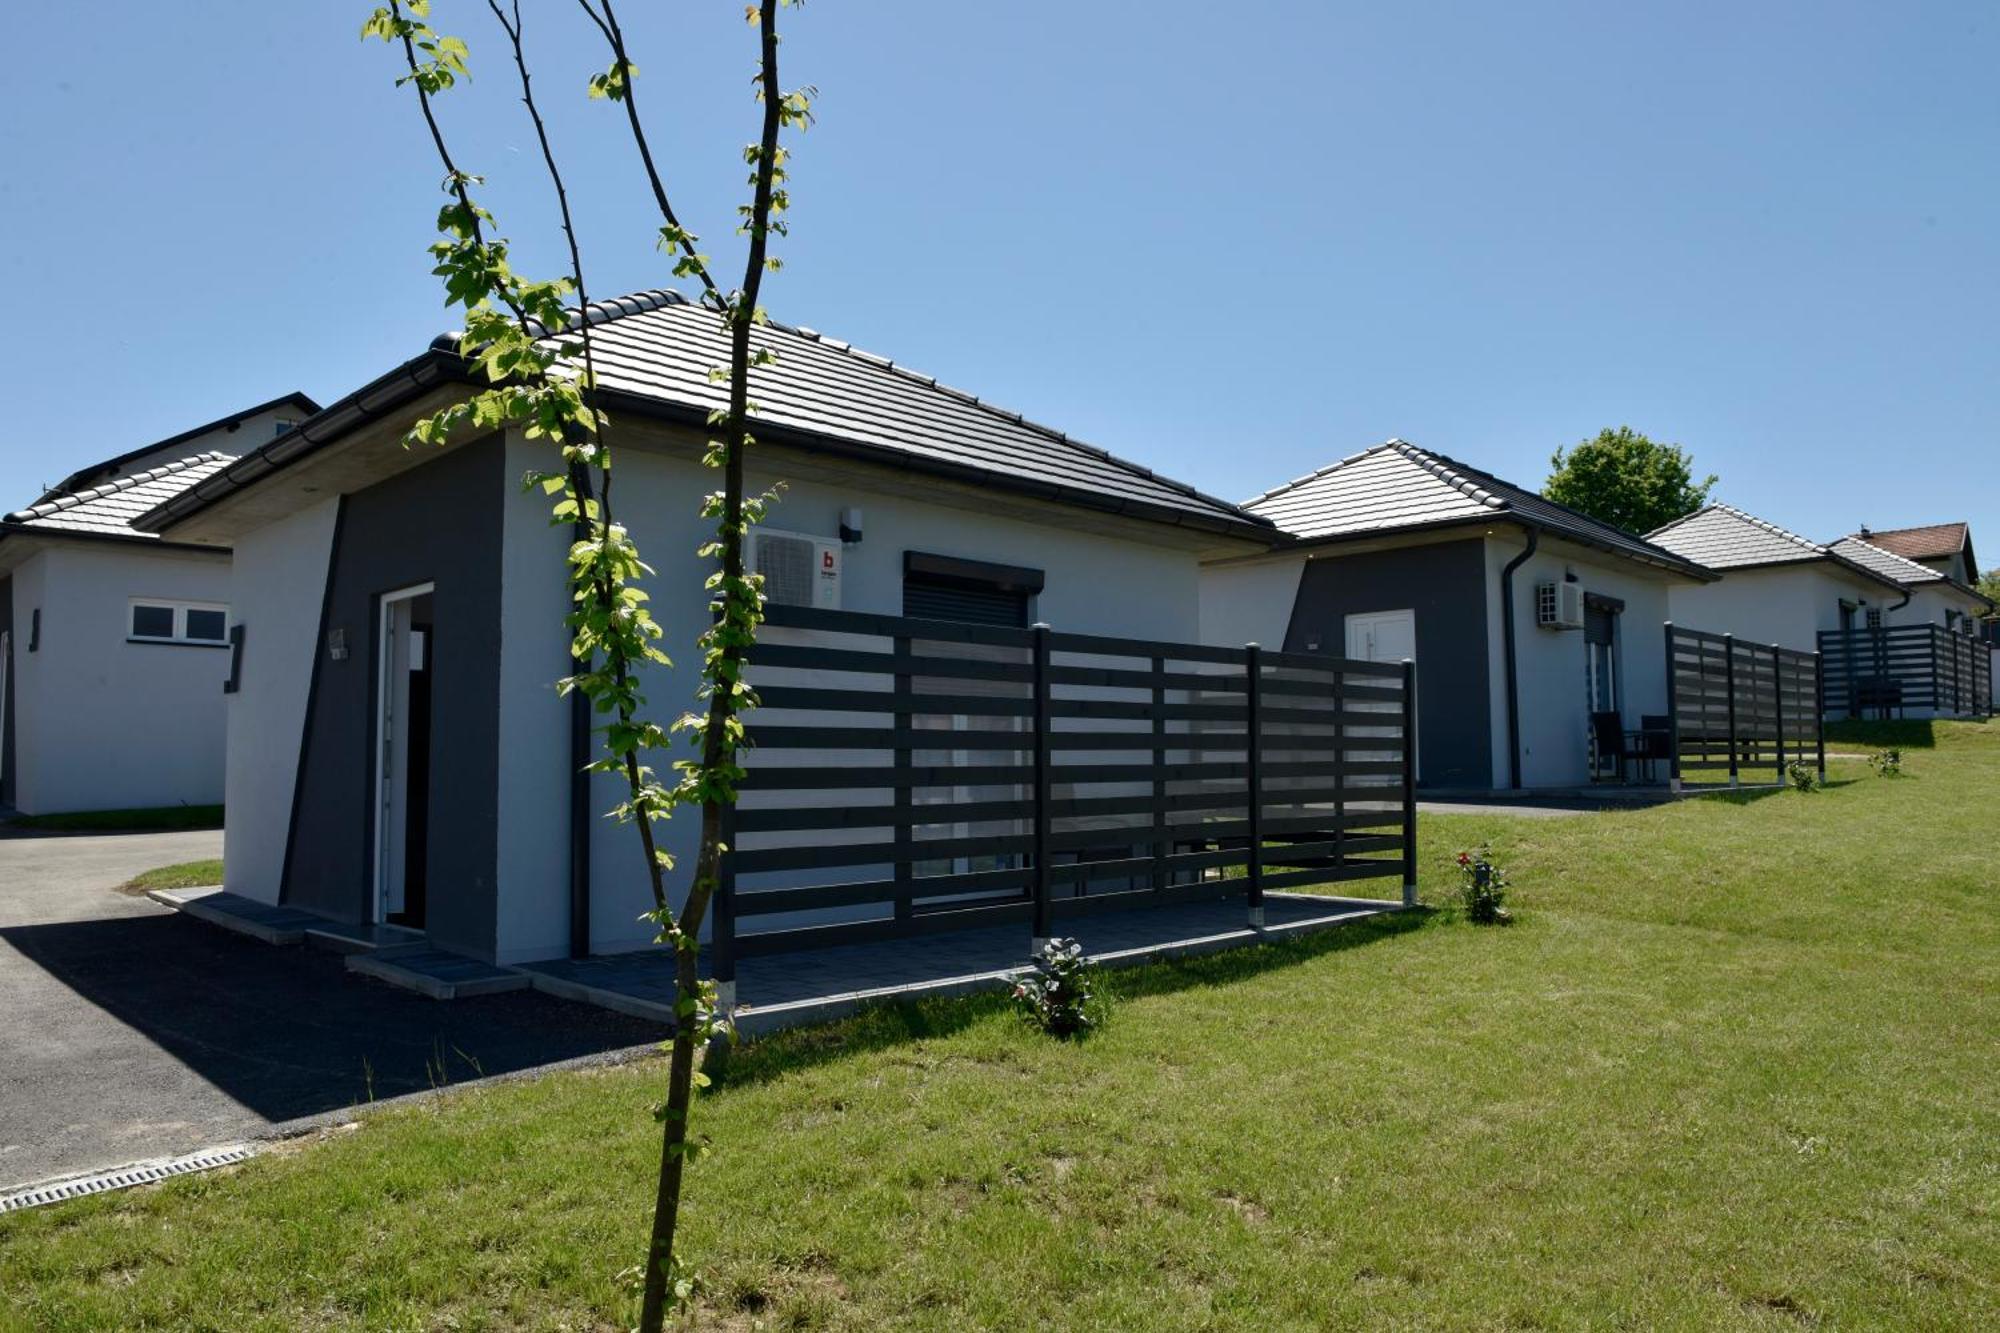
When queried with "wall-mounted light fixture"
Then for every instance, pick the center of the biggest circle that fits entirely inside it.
(850, 525)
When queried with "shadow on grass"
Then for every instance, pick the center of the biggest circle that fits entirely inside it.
(1749, 795)
(1902, 733)
(164, 819)
(893, 1023)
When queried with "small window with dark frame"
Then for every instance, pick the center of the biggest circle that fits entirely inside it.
(151, 620)
(977, 592)
(178, 622)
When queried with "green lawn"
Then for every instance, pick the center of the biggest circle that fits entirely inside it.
(160, 819)
(186, 875)
(1738, 1065)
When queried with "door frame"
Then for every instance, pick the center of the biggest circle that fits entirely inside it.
(378, 861)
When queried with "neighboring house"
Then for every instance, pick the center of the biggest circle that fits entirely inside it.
(1944, 547)
(1937, 589)
(397, 751)
(1777, 587)
(111, 638)
(1524, 617)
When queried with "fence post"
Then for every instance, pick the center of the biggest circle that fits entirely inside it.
(1040, 932)
(1778, 703)
(1409, 782)
(1253, 723)
(904, 795)
(1673, 714)
(1162, 848)
(1729, 680)
(1819, 712)
(722, 941)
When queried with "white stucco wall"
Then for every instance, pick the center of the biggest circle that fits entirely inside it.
(101, 723)
(1784, 604)
(1104, 576)
(1250, 602)
(277, 584)
(1554, 705)
(1930, 601)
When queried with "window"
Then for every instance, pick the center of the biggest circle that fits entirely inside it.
(1874, 617)
(940, 587)
(1600, 638)
(280, 426)
(180, 622)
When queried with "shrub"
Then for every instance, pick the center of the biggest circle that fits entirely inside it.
(1483, 887)
(1887, 763)
(1802, 776)
(1059, 996)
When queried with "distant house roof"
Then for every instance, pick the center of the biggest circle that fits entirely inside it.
(1724, 537)
(1886, 562)
(1932, 541)
(1398, 487)
(98, 473)
(108, 510)
(654, 352)
(1901, 569)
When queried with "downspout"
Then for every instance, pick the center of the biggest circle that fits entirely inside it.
(1513, 670)
(579, 784)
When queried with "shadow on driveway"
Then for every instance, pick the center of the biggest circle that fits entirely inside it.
(135, 1035)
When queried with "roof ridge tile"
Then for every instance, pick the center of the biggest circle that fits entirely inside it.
(72, 499)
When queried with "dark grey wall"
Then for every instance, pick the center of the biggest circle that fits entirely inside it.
(7, 704)
(1446, 586)
(436, 523)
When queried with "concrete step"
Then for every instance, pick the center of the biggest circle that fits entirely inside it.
(245, 916)
(433, 972)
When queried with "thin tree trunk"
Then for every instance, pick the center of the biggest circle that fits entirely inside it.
(715, 749)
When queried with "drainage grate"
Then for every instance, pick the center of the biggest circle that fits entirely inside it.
(139, 1173)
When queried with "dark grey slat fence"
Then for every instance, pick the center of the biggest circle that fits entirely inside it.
(1885, 671)
(923, 776)
(1735, 705)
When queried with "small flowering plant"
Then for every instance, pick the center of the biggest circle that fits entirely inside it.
(1802, 776)
(1887, 763)
(1483, 887)
(1058, 996)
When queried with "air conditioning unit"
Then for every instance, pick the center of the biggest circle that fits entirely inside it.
(798, 570)
(1559, 605)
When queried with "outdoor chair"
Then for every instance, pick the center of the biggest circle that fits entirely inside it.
(1608, 741)
(1655, 740)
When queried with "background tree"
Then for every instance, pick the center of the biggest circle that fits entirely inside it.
(537, 356)
(1989, 585)
(1624, 479)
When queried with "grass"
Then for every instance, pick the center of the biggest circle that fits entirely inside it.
(161, 819)
(186, 875)
(1733, 1068)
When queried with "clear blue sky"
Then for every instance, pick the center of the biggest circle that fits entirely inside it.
(1232, 248)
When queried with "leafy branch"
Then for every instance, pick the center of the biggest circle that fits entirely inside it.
(541, 380)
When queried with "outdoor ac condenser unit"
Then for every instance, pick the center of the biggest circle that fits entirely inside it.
(1559, 605)
(798, 570)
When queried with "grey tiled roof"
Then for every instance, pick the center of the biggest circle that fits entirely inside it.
(659, 346)
(1886, 563)
(110, 508)
(1724, 537)
(1397, 486)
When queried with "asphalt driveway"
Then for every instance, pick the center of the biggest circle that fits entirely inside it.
(129, 1031)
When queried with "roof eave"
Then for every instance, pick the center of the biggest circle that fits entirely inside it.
(439, 366)
(383, 395)
(1248, 527)
(1512, 518)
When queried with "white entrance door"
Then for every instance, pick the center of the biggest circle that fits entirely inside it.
(401, 647)
(1382, 636)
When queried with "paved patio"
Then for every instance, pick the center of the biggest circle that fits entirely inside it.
(780, 990)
